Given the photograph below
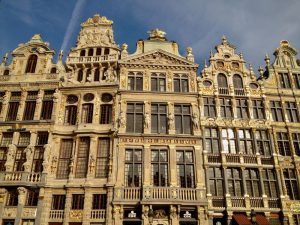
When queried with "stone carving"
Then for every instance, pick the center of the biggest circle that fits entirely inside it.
(160, 214)
(146, 121)
(29, 212)
(145, 212)
(122, 120)
(173, 212)
(110, 75)
(10, 157)
(47, 154)
(54, 164)
(171, 121)
(195, 120)
(28, 152)
(2, 194)
(92, 164)
(71, 166)
(22, 195)
(76, 214)
(10, 212)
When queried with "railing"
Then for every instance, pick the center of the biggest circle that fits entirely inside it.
(239, 91)
(56, 214)
(160, 193)
(238, 202)
(256, 202)
(266, 160)
(232, 158)
(218, 202)
(98, 214)
(223, 91)
(274, 203)
(214, 158)
(92, 59)
(250, 159)
(187, 194)
(22, 177)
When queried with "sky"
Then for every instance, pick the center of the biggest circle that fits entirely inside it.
(255, 27)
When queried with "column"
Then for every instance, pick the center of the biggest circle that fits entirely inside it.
(39, 103)
(174, 215)
(73, 158)
(41, 207)
(3, 192)
(44, 208)
(109, 207)
(121, 160)
(147, 117)
(68, 206)
(250, 108)
(200, 179)
(5, 105)
(21, 106)
(117, 214)
(285, 117)
(21, 202)
(92, 158)
(88, 199)
(173, 172)
(147, 166)
(261, 182)
(171, 118)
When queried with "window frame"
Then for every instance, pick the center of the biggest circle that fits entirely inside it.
(156, 79)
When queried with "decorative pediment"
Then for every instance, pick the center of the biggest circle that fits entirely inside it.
(158, 57)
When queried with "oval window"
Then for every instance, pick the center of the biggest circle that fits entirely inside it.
(253, 85)
(88, 97)
(106, 97)
(207, 83)
(71, 99)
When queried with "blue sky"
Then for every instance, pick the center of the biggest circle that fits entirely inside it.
(255, 27)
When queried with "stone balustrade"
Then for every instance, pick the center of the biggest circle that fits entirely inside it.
(98, 214)
(21, 177)
(56, 214)
(92, 59)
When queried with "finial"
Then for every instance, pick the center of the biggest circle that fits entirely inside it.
(205, 65)
(251, 68)
(224, 40)
(267, 59)
(124, 52)
(241, 55)
(190, 55)
(261, 71)
(211, 54)
(157, 34)
(124, 47)
(61, 55)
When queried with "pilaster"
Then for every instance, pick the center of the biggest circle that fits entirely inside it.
(38, 107)
(173, 172)
(147, 166)
(5, 105)
(21, 106)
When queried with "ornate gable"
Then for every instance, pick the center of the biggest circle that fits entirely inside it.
(158, 57)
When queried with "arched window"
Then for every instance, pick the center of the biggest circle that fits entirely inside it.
(53, 70)
(87, 113)
(88, 73)
(98, 51)
(91, 52)
(80, 75)
(222, 81)
(71, 114)
(106, 51)
(82, 53)
(237, 81)
(6, 72)
(31, 64)
(97, 75)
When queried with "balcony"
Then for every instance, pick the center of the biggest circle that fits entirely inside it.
(56, 214)
(13, 178)
(238, 202)
(214, 158)
(92, 59)
(223, 91)
(256, 202)
(98, 214)
(162, 194)
(239, 92)
(218, 202)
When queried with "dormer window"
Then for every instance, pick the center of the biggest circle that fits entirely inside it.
(53, 70)
(91, 52)
(222, 84)
(98, 51)
(80, 75)
(31, 64)
(106, 51)
(6, 72)
(82, 53)
(238, 85)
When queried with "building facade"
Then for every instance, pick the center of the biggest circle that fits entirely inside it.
(109, 137)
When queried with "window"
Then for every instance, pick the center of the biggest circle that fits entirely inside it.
(27, 222)
(225, 108)
(182, 119)
(24, 139)
(82, 53)
(135, 81)
(80, 75)
(159, 167)
(3, 152)
(31, 64)
(296, 218)
(106, 114)
(6, 72)
(258, 109)
(228, 141)
(252, 182)
(77, 201)
(234, 179)
(102, 157)
(20, 157)
(276, 110)
(98, 51)
(238, 85)
(270, 183)
(222, 84)
(216, 181)
(87, 113)
(158, 82)
(97, 75)
(283, 143)
(284, 80)
(12, 198)
(263, 142)
(64, 160)
(106, 51)
(30, 105)
(242, 108)
(6, 139)
(134, 121)
(13, 106)
(91, 52)
(133, 167)
(47, 105)
(181, 83)
(185, 168)
(82, 157)
(246, 142)
(291, 184)
(296, 80)
(32, 197)
(53, 70)
(5, 142)
(71, 115)
(38, 157)
(209, 107)
(159, 118)
(58, 202)
(296, 142)
(292, 112)
(2, 94)
(212, 140)
(99, 201)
